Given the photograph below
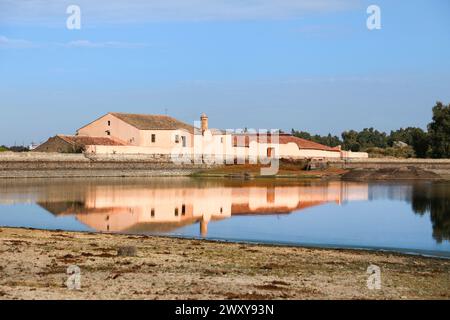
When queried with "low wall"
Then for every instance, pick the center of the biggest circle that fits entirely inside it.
(37, 164)
(255, 150)
(439, 166)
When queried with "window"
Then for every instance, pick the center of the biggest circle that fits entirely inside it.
(183, 139)
(221, 140)
(176, 212)
(183, 210)
(153, 138)
(152, 213)
(109, 123)
(108, 133)
(177, 138)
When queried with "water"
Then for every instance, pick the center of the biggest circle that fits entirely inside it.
(411, 217)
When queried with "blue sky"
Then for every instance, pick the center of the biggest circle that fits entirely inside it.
(306, 64)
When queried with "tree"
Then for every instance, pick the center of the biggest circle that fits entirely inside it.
(370, 137)
(301, 134)
(350, 140)
(439, 131)
(415, 137)
(328, 140)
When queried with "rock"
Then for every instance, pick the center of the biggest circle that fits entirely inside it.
(127, 251)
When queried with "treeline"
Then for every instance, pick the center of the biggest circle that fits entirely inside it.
(14, 148)
(408, 142)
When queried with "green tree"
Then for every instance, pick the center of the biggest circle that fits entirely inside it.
(328, 140)
(439, 131)
(369, 137)
(350, 140)
(415, 137)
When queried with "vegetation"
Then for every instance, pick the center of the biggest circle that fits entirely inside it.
(439, 131)
(3, 148)
(19, 149)
(435, 201)
(403, 143)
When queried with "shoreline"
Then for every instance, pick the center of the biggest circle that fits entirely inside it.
(34, 266)
(60, 165)
(395, 251)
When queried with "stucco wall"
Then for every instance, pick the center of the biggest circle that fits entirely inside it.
(354, 155)
(221, 147)
(118, 129)
(164, 139)
(134, 150)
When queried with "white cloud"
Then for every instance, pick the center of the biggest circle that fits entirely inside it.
(6, 43)
(130, 11)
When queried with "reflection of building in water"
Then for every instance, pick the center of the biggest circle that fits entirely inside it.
(142, 209)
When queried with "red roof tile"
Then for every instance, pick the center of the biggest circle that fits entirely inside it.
(282, 139)
(92, 141)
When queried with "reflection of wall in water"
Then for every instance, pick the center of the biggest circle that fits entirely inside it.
(161, 205)
(115, 209)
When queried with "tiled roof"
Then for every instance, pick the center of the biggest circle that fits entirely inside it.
(282, 139)
(92, 141)
(152, 122)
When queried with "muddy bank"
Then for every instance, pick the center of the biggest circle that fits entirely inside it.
(34, 264)
(402, 173)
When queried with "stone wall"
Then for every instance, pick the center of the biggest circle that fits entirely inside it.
(35, 164)
(55, 144)
(439, 166)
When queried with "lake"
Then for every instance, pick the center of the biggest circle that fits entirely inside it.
(410, 217)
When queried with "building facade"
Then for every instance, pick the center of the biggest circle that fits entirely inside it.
(125, 133)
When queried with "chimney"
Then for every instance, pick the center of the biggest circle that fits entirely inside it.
(204, 121)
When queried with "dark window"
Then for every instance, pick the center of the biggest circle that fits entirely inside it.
(153, 138)
(177, 138)
(108, 133)
(183, 138)
(176, 212)
(221, 210)
(183, 210)
(152, 213)
(109, 123)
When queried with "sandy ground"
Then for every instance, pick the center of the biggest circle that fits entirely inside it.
(33, 265)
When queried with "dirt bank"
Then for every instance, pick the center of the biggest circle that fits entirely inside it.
(402, 173)
(33, 265)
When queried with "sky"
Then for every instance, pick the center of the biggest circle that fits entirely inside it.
(312, 65)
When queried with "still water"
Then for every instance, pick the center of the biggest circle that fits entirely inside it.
(410, 217)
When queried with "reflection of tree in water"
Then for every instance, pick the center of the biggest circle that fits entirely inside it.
(435, 199)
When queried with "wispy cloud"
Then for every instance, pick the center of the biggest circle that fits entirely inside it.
(9, 43)
(107, 44)
(6, 43)
(131, 11)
